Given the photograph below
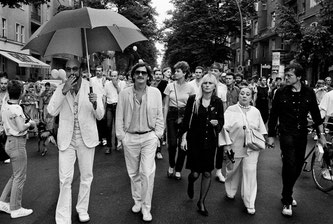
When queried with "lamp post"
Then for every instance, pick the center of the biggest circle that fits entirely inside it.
(241, 30)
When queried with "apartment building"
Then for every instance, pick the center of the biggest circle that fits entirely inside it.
(17, 25)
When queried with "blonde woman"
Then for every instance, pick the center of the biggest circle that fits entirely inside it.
(244, 170)
(203, 120)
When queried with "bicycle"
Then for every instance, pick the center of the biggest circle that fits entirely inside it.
(321, 164)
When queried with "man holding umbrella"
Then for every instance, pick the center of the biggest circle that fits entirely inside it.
(78, 110)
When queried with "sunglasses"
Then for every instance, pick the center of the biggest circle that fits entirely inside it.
(141, 72)
(74, 69)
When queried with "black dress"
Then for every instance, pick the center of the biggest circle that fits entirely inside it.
(262, 102)
(202, 136)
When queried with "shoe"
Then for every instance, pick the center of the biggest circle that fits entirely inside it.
(108, 150)
(170, 172)
(250, 211)
(178, 176)
(4, 207)
(147, 217)
(159, 155)
(190, 189)
(136, 208)
(287, 210)
(202, 209)
(326, 175)
(44, 152)
(6, 161)
(21, 212)
(220, 177)
(294, 203)
(84, 217)
(104, 142)
(315, 137)
(229, 197)
(164, 143)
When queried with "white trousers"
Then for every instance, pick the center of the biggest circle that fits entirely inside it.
(67, 158)
(244, 170)
(140, 162)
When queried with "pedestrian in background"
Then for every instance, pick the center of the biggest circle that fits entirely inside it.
(16, 127)
(112, 89)
(3, 100)
(290, 108)
(261, 98)
(203, 120)
(167, 74)
(77, 138)
(243, 171)
(160, 84)
(139, 125)
(176, 96)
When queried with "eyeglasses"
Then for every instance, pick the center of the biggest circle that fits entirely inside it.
(74, 69)
(141, 72)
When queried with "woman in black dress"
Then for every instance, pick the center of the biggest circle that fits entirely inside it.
(203, 120)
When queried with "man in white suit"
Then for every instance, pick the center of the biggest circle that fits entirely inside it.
(77, 138)
(139, 125)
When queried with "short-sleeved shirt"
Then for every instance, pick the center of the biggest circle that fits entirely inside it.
(183, 92)
(111, 91)
(9, 115)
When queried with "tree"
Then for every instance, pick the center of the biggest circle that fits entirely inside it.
(313, 45)
(198, 30)
(17, 3)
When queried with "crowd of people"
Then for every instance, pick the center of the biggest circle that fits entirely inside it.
(202, 118)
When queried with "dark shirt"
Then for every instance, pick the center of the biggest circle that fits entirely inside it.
(161, 87)
(291, 110)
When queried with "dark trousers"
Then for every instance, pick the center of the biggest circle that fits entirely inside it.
(219, 157)
(101, 127)
(293, 151)
(110, 125)
(174, 142)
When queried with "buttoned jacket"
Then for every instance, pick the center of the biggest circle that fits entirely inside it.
(64, 106)
(125, 110)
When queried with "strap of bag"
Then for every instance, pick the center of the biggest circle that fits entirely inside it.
(247, 126)
(174, 86)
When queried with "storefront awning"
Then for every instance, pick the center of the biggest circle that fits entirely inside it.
(24, 60)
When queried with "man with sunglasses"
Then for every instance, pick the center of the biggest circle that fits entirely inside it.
(78, 110)
(139, 125)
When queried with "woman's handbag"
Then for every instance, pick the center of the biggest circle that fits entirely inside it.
(253, 138)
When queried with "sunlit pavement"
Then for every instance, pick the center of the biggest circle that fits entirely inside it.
(111, 198)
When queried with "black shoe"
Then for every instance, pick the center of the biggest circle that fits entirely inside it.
(190, 189)
(44, 152)
(169, 175)
(108, 151)
(202, 209)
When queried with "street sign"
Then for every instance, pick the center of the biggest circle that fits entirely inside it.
(266, 66)
(240, 68)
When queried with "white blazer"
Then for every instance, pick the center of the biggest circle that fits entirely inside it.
(64, 105)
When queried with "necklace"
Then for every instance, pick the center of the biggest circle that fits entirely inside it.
(244, 107)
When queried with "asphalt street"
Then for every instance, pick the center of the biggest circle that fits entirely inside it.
(111, 201)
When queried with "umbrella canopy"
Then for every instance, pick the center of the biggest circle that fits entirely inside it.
(64, 33)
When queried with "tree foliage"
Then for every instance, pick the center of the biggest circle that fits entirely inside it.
(198, 30)
(17, 3)
(311, 44)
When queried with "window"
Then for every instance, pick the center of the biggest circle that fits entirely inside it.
(256, 51)
(313, 3)
(3, 27)
(22, 34)
(17, 32)
(255, 32)
(273, 20)
(2, 64)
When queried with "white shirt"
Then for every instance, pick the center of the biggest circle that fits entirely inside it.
(222, 90)
(111, 91)
(99, 83)
(195, 85)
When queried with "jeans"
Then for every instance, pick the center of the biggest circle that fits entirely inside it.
(174, 141)
(293, 151)
(110, 125)
(12, 193)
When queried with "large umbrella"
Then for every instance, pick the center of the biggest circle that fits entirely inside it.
(84, 31)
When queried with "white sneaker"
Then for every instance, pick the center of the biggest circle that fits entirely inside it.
(4, 207)
(294, 203)
(147, 217)
(7, 161)
(159, 155)
(326, 174)
(251, 211)
(287, 210)
(104, 142)
(21, 212)
(84, 217)
(136, 208)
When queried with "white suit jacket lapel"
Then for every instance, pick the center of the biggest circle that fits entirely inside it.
(70, 100)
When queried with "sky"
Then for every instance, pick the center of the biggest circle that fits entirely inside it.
(161, 6)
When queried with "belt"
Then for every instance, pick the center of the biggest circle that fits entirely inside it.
(140, 132)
